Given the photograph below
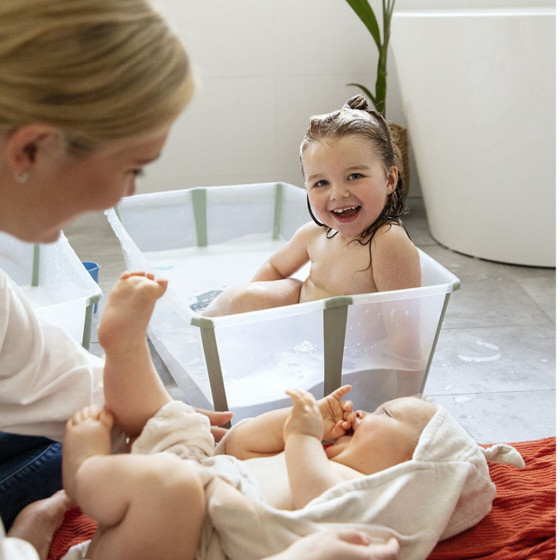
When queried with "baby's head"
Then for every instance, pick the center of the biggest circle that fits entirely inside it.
(416, 436)
(383, 438)
(355, 122)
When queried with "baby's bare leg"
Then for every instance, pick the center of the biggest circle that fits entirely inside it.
(255, 296)
(133, 390)
(147, 506)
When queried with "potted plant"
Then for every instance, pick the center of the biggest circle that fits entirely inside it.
(381, 36)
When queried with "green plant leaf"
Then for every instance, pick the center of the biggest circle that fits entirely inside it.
(364, 11)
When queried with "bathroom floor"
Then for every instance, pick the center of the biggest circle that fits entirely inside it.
(494, 366)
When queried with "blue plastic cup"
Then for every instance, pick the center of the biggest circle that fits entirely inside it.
(93, 269)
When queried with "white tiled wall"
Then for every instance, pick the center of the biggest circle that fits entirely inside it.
(265, 66)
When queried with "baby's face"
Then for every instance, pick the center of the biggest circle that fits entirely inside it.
(385, 437)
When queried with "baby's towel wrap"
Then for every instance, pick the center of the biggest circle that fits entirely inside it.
(443, 490)
(446, 445)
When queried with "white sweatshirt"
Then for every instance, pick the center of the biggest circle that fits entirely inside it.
(45, 376)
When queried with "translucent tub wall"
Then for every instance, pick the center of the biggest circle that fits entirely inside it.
(55, 281)
(381, 343)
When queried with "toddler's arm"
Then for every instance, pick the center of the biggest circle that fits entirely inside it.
(289, 259)
(396, 260)
(397, 266)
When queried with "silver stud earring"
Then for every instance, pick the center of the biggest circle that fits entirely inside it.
(22, 177)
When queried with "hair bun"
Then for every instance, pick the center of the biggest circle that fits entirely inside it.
(357, 102)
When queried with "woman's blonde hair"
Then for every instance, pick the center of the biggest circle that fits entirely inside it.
(99, 70)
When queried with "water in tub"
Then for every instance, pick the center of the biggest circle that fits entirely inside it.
(197, 273)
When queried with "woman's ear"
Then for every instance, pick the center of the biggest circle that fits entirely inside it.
(22, 146)
(392, 179)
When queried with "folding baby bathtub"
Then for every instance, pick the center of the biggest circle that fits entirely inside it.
(204, 239)
(55, 281)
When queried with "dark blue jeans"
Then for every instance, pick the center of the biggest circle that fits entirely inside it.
(30, 469)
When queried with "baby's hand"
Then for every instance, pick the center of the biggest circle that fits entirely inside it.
(305, 417)
(338, 415)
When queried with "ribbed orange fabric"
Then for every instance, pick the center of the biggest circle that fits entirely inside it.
(521, 525)
(76, 528)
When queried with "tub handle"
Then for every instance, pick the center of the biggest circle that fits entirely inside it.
(334, 335)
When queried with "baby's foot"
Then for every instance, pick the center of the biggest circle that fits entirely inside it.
(128, 311)
(88, 433)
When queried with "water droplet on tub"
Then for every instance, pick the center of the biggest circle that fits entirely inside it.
(448, 387)
(305, 346)
(462, 399)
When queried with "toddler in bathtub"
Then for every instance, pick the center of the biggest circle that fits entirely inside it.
(356, 242)
(406, 470)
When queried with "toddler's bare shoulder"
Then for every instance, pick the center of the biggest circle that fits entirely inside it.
(311, 228)
(309, 232)
(391, 233)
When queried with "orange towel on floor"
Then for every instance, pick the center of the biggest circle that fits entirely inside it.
(522, 523)
(76, 528)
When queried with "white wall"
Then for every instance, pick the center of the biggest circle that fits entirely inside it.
(265, 66)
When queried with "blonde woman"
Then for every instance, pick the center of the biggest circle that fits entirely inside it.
(88, 92)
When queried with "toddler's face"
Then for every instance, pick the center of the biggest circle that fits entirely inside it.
(347, 183)
(385, 437)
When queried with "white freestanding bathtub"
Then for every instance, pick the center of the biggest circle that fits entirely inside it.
(205, 239)
(478, 90)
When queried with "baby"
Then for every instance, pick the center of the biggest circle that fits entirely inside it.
(176, 496)
(356, 242)
(284, 449)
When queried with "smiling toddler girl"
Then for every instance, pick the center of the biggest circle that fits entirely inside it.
(356, 242)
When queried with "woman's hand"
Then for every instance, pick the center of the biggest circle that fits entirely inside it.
(217, 419)
(345, 544)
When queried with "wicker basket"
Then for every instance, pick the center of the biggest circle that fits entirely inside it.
(401, 139)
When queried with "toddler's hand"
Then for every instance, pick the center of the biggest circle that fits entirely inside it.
(305, 417)
(338, 415)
